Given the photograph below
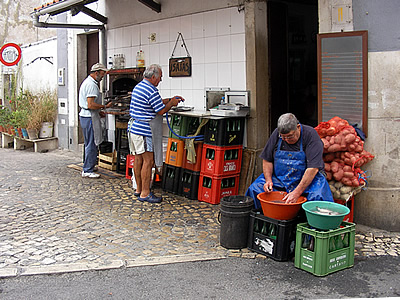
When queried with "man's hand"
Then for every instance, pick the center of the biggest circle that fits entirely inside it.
(291, 197)
(268, 186)
(176, 99)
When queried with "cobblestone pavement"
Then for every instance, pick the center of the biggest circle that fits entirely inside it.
(52, 220)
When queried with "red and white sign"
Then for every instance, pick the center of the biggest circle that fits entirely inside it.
(10, 54)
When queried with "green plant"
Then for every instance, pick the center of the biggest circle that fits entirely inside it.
(43, 108)
(5, 116)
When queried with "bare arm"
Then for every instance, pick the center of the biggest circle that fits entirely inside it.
(306, 180)
(268, 168)
(170, 103)
(94, 105)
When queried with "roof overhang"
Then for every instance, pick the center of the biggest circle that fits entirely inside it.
(60, 6)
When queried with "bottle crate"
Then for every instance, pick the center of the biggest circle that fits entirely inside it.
(213, 188)
(221, 161)
(273, 238)
(170, 178)
(189, 184)
(224, 131)
(174, 155)
(324, 252)
(350, 205)
(184, 126)
(186, 164)
(129, 166)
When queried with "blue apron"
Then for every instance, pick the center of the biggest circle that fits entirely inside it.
(289, 167)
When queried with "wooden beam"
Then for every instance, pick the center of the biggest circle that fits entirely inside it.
(151, 4)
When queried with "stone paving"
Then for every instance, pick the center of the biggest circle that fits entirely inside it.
(52, 220)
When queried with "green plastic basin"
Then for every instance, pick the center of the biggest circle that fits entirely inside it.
(324, 222)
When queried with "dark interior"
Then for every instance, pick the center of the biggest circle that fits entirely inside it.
(292, 32)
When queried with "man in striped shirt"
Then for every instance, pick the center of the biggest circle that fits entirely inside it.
(146, 104)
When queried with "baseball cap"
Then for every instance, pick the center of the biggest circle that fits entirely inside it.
(98, 67)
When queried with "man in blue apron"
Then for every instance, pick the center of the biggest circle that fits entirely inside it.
(292, 162)
(145, 129)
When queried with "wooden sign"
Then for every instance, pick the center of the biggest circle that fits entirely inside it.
(180, 67)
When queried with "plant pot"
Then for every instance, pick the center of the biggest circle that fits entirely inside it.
(1, 128)
(32, 133)
(25, 133)
(19, 130)
(11, 130)
(47, 130)
(16, 132)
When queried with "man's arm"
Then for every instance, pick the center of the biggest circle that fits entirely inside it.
(93, 105)
(305, 181)
(171, 102)
(268, 168)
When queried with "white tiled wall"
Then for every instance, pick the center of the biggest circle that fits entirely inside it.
(215, 41)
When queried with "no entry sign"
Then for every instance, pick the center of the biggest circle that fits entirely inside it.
(10, 54)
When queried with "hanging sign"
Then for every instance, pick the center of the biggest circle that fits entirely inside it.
(180, 66)
(10, 54)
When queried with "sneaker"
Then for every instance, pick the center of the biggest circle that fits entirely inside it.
(90, 175)
(151, 198)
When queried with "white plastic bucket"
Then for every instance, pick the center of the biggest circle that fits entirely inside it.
(47, 130)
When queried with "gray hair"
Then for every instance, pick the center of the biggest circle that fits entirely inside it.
(287, 123)
(152, 70)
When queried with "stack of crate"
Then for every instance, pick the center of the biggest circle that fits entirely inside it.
(179, 175)
(221, 158)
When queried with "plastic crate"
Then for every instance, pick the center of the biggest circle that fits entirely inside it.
(184, 126)
(170, 178)
(213, 188)
(196, 167)
(350, 205)
(189, 184)
(129, 166)
(221, 160)
(324, 252)
(273, 238)
(175, 152)
(224, 131)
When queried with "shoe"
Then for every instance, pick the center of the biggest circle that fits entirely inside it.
(136, 194)
(151, 198)
(90, 175)
(95, 169)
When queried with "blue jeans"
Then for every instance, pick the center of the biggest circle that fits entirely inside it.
(90, 146)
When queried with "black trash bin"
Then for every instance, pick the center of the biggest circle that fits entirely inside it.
(235, 218)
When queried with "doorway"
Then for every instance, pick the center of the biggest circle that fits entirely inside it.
(292, 46)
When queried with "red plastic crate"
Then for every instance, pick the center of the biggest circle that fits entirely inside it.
(175, 152)
(129, 165)
(221, 160)
(198, 146)
(349, 204)
(213, 188)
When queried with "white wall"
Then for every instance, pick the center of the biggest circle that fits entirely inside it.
(39, 74)
(215, 41)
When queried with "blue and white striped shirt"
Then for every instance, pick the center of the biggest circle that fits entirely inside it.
(145, 103)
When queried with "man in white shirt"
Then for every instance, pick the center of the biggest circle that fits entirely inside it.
(90, 102)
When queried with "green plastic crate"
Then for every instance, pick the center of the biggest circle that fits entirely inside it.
(326, 254)
(183, 125)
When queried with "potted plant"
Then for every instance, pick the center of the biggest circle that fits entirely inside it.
(42, 114)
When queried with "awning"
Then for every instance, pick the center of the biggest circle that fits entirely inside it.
(60, 6)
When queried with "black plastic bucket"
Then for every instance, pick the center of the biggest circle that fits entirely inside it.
(235, 218)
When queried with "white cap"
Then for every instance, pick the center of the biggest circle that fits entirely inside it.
(98, 67)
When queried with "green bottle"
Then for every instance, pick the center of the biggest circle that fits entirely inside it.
(272, 231)
(306, 241)
(332, 246)
(264, 229)
(346, 241)
(338, 242)
(256, 228)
